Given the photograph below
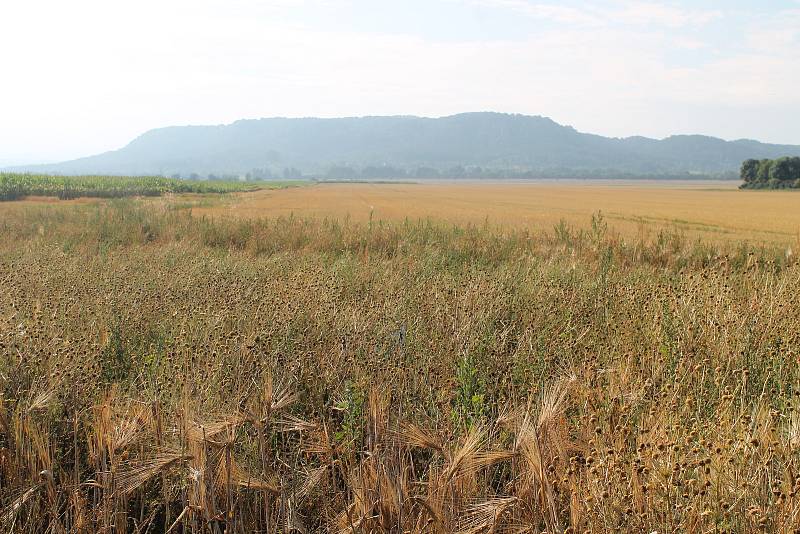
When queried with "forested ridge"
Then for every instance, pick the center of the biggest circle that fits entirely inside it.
(468, 145)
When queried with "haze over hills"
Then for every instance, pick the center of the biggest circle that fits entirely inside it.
(470, 144)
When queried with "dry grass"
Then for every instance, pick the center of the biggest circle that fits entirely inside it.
(711, 210)
(160, 372)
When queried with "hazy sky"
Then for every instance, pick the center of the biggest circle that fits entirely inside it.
(85, 76)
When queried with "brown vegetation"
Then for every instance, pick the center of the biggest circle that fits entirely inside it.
(712, 211)
(162, 372)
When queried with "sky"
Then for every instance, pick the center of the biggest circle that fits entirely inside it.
(85, 76)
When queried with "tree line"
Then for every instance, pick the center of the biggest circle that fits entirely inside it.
(346, 172)
(781, 173)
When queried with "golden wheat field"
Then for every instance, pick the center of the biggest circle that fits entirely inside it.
(472, 359)
(711, 210)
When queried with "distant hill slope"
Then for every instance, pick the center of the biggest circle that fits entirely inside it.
(489, 140)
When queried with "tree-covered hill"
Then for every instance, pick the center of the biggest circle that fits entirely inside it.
(476, 145)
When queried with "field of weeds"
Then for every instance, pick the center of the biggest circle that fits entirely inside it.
(164, 372)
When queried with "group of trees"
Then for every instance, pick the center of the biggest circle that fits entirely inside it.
(253, 175)
(781, 173)
(349, 172)
(475, 172)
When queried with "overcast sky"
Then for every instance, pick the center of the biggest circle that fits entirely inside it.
(84, 76)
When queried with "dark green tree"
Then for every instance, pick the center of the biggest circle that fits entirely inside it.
(764, 167)
(781, 173)
(794, 168)
(782, 169)
(749, 171)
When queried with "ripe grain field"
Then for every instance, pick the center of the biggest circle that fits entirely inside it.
(262, 362)
(710, 210)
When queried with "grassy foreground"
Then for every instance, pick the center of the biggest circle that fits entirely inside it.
(167, 373)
